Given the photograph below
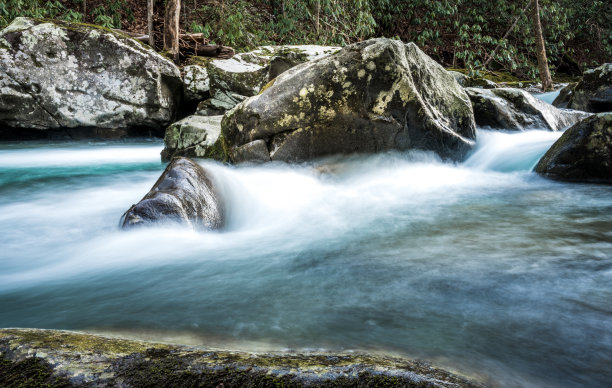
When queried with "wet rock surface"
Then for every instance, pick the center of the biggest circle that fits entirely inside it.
(582, 154)
(72, 359)
(372, 96)
(184, 194)
(58, 75)
(516, 110)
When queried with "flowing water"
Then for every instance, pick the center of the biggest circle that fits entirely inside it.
(482, 267)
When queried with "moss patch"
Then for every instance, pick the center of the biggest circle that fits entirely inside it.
(29, 373)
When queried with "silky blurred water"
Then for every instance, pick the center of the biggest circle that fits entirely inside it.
(482, 267)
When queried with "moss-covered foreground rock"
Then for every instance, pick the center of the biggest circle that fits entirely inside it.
(50, 358)
(582, 154)
(58, 75)
(371, 96)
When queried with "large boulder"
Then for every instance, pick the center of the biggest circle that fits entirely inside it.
(233, 80)
(516, 110)
(563, 98)
(69, 75)
(183, 194)
(583, 153)
(194, 137)
(371, 96)
(594, 91)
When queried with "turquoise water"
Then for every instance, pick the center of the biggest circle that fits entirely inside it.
(481, 267)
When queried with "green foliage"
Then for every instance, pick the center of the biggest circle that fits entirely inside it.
(111, 13)
(457, 33)
(10, 9)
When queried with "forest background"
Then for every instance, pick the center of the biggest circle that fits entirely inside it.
(458, 34)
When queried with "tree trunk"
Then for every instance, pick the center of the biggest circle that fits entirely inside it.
(84, 11)
(317, 12)
(540, 48)
(171, 28)
(150, 9)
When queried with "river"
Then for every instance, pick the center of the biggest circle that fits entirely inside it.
(481, 267)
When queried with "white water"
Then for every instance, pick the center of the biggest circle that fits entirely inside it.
(482, 266)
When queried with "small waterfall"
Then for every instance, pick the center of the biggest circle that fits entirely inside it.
(510, 151)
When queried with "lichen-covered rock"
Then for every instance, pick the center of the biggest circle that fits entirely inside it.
(233, 80)
(196, 83)
(45, 358)
(582, 154)
(70, 75)
(594, 91)
(194, 137)
(371, 96)
(516, 110)
(183, 194)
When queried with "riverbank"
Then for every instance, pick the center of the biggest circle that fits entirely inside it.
(32, 357)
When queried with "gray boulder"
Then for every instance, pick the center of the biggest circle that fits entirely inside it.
(233, 80)
(582, 154)
(594, 91)
(196, 83)
(69, 75)
(371, 96)
(516, 110)
(194, 137)
(183, 194)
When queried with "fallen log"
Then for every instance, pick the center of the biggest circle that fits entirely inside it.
(190, 44)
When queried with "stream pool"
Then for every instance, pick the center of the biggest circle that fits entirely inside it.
(482, 267)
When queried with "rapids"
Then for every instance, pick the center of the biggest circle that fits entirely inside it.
(481, 267)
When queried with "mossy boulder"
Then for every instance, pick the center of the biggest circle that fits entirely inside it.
(371, 96)
(516, 110)
(593, 93)
(70, 75)
(51, 358)
(184, 194)
(582, 154)
(194, 137)
(234, 79)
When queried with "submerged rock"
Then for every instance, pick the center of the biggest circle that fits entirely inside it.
(31, 357)
(582, 154)
(194, 137)
(371, 96)
(233, 80)
(183, 194)
(516, 110)
(594, 91)
(70, 75)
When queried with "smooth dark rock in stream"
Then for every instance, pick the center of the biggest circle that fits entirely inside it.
(516, 110)
(565, 94)
(594, 91)
(371, 96)
(41, 358)
(57, 76)
(183, 194)
(582, 154)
